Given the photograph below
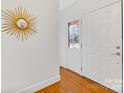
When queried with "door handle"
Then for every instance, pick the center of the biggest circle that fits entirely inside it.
(118, 47)
(118, 53)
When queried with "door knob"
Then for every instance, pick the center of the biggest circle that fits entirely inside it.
(118, 54)
(118, 47)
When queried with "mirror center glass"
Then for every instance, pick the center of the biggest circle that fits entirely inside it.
(21, 23)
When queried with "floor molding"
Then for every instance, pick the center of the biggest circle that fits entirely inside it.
(41, 85)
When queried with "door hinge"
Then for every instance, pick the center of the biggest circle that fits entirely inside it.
(81, 45)
(81, 68)
(81, 22)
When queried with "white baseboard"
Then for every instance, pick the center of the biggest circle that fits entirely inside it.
(63, 66)
(41, 85)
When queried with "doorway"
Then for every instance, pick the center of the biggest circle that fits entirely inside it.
(99, 55)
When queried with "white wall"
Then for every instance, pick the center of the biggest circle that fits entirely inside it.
(36, 59)
(76, 10)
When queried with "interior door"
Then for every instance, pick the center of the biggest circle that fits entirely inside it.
(102, 46)
(74, 46)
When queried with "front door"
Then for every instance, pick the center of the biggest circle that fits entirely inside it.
(102, 46)
(74, 46)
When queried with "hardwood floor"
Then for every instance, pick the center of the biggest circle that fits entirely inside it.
(73, 83)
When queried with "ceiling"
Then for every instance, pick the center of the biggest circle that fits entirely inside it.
(65, 3)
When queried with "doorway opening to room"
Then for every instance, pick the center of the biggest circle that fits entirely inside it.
(95, 46)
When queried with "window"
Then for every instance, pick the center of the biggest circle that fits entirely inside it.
(73, 34)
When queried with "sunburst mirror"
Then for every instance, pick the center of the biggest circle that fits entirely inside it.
(19, 23)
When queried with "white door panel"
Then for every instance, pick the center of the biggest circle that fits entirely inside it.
(74, 60)
(102, 46)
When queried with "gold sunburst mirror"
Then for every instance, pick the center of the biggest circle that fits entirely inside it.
(19, 23)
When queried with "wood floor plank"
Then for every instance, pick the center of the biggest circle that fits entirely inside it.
(73, 83)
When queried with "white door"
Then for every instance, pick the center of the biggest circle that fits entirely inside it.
(74, 46)
(102, 46)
